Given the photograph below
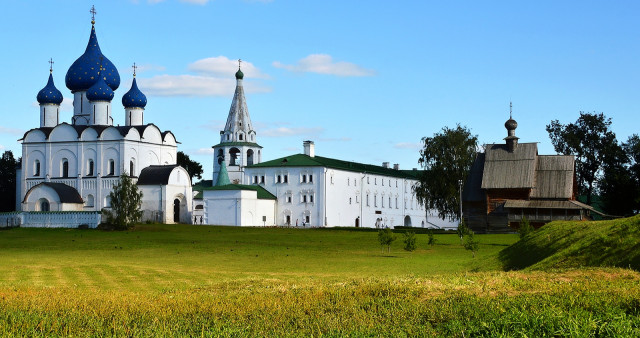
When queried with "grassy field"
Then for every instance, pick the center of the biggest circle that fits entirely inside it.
(160, 280)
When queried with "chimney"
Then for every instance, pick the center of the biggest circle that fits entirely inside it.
(309, 148)
(396, 166)
(385, 164)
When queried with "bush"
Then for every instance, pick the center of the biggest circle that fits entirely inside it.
(386, 237)
(470, 242)
(525, 228)
(432, 238)
(462, 230)
(410, 241)
(83, 226)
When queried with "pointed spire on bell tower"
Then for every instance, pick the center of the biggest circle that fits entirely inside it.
(238, 127)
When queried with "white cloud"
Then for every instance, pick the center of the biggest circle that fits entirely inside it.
(11, 131)
(407, 145)
(324, 64)
(225, 67)
(285, 131)
(147, 67)
(193, 85)
(67, 104)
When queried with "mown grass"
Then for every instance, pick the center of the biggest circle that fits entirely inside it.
(161, 280)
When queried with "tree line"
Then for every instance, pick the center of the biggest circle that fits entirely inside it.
(605, 168)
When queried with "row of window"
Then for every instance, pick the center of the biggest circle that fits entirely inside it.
(375, 181)
(64, 168)
(283, 178)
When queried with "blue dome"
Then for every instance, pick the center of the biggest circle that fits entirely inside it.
(100, 91)
(83, 73)
(49, 94)
(134, 98)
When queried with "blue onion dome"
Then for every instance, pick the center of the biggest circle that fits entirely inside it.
(100, 91)
(49, 94)
(134, 98)
(83, 73)
(239, 74)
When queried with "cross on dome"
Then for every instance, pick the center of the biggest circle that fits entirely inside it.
(50, 65)
(134, 69)
(239, 63)
(93, 14)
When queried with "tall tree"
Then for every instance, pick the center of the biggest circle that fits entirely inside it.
(593, 144)
(447, 158)
(620, 186)
(126, 201)
(8, 181)
(193, 168)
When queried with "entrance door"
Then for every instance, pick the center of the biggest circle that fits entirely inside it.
(358, 222)
(176, 210)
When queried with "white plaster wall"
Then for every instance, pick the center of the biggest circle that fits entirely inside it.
(50, 219)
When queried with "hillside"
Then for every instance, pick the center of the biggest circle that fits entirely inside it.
(614, 243)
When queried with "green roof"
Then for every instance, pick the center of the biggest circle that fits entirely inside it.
(223, 176)
(200, 186)
(302, 160)
(246, 144)
(263, 194)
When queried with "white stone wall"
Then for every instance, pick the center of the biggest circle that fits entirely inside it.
(50, 219)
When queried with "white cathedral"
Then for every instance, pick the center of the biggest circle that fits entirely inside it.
(73, 166)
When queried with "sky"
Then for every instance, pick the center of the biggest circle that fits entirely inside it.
(364, 80)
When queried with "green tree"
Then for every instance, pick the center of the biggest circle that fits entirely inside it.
(471, 242)
(525, 228)
(593, 144)
(386, 237)
(409, 241)
(8, 181)
(447, 158)
(126, 200)
(192, 167)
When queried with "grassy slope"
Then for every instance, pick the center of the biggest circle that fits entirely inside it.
(614, 243)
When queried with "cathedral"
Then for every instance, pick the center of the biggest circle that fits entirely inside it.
(74, 166)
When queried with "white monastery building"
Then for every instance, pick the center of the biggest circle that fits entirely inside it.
(73, 166)
(302, 189)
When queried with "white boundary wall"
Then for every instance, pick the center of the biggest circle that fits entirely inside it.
(64, 219)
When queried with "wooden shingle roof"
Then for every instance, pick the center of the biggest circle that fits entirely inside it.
(509, 170)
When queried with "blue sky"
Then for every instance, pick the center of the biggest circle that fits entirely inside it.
(365, 80)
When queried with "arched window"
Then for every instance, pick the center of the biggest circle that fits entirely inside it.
(249, 157)
(240, 137)
(131, 168)
(220, 156)
(233, 152)
(107, 202)
(90, 201)
(65, 167)
(90, 171)
(36, 168)
(112, 167)
(43, 204)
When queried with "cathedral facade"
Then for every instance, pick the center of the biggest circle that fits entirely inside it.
(74, 166)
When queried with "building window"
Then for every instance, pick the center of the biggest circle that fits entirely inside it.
(240, 137)
(112, 167)
(367, 199)
(349, 200)
(396, 183)
(375, 181)
(375, 200)
(396, 203)
(279, 179)
(255, 179)
(367, 180)
(348, 181)
(382, 182)
(65, 167)
(389, 202)
(304, 198)
(289, 199)
(44, 205)
(262, 179)
(131, 169)
(304, 178)
(306, 218)
(311, 198)
(310, 178)
(89, 202)
(286, 178)
(233, 154)
(90, 171)
(357, 200)
(249, 157)
(382, 201)
(36, 169)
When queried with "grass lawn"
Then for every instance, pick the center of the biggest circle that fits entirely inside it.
(160, 280)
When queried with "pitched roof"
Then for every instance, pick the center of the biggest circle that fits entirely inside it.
(538, 204)
(554, 177)
(508, 170)
(302, 160)
(263, 194)
(156, 174)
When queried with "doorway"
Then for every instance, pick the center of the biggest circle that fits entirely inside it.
(176, 211)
